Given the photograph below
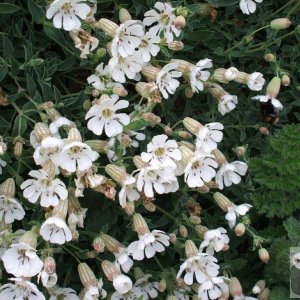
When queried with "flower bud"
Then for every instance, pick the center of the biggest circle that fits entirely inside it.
(190, 249)
(162, 286)
(41, 131)
(285, 80)
(192, 125)
(216, 91)
(231, 73)
(242, 78)
(110, 270)
(3, 148)
(282, 23)
(263, 255)
(240, 151)
(223, 202)
(171, 297)
(49, 265)
(50, 168)
(219, 75)
(8, 188)
(168, 131)
(116, 173)
(184, 134)
(200, 230)
(151, 118)
(18, 149)
(107, 26)
(138, 273)
(61, 209)
(240, 229)
(3, 98)
(235, 287)
(264, 130)
(175, 45)
(186, 153)
(138, 162)
(119, 90)
(95, 93)
(74, 135)
(273, 87)
(182, 11)
(86, 275)
(150, 206)
(259, 286)
(269, 57)
(183, 231)
(187, 145)
(188, 92)
(98, 245)
(111, 244)
(179, 22)
(124, 15)
(98, 145)
(139, 224)
(87, 104)
(219, 157)
(173, 238)
(264, 295)
(195, 220)
(150, 72)
(29, 237)
(129, 208)
(101, 52)
(183, 65)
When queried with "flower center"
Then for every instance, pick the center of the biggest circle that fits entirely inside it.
(67, 7)
(107, 113)
(165, 19)
(197, 164)
(160, 151)
(76, 149)
(144, 44)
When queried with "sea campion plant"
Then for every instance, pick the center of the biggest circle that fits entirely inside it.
(112, 186)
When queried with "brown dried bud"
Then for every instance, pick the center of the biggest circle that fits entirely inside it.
(119, 90)
(179, 22)
(240, 151)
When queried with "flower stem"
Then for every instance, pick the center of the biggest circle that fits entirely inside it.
(70, 252)
(166, 213)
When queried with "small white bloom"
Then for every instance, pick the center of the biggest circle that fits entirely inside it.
(129, 67)
(56, 231)
(212, 289)
(128, 192)
(102, 79)
(123, 260)
(49, 190)
(256, 81)
(231, 73)
(134, 294)
(214, 240)
(21, 260)
(166, 81)
(122, 284)
(10, 209)
(76, 218)
(182, 293)
(200, 169)
(164, 16)
(148, 46)
(95, 291)
(236, 211)
(64, 294)
(265, 99)
(21, 290)
(149, 289)
(77, 155)
(48, 280)
(208, 137)
(162, 152)
(148, 244)
(230, 173)
(33, 140)
(103, 116)
(127, 38)
(249, 6)
(2, 165)
(227, 103)
(199, 74)
(65, 13)
(201, 266)
(56, 124)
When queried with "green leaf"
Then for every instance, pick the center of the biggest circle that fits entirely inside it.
(3, 71)
(20, 126)
(8, 8)
(31, 86)
(54, 34)
(8, 48)
(221, 3)
(36, 11)
(4, 123)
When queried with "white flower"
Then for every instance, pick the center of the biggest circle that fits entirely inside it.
(94, 291)
(236, 211)
(264, 99)
(21, 290)
(164, 17)
(200, 169)
(10, 209)
(231, 73)
(227, 103)
(45, 188)
(149, 289)
(56, 124)
(214, 240)
(198, 74)
(161, 152)
(122, 284)
(48, 280)
(76, 218)
(56, 231)
(155, 178)
(296, 260)
(256, 81)
(77, 155)
(123, 260)
(230, 173)
(148, 244)
(148, 46)
(8, 238)
(182, 293)
(21, 260)
(103, 116)
(166, 81)
(33, 140)
(2, 165)
(129, 67)
(64, 294)
(128, 191)
(102, 79)
(208, 136)
(202, 266)
(249, 6)
(49, 149)
(134, 294)
(127, 38)
(212, 289)
(65, 13)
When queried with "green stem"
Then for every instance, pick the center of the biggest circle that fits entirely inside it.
(293, 9)
(280, 9)
(166, 213)
(70, 252)
(158, 263)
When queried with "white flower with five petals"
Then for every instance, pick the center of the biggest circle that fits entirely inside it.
(256, 81)
(214, 240)
(236, 211)
(10, 209)
(148, 46)
(213, 289)
(249, 6)
(199, 74)
(227, 103)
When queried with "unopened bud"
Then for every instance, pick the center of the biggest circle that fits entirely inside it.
(264, 295)
(190, 249)
(223, 202)
(41, 131)
(235, 287)
(200, 230)
(192, 125)
(182, 11)
(29, 237)
(74, 135)
(139, 224)
(151, 118)
(119, 90)
(168, 131)
(269, 57)
(98, 145)
(95, 93)
(111, 244)
(184, 134)
(18, 149)
(87, 276)
(116, 173)
(124, 15)
(138, 273)
(150, 72)
(219, 157)
(162, 285)
(195, 220)
(110, 270)
(173, 238)
(107, 26)
(98, 245)
(264, 130)
(183, 231)
(8, 188)
(240, 229)
(259, 286)
(129, 208)
(61, 209)
(188, 92)
(273, 87)
(263, 255)
(240, 151)
(150, 206)
(49, 265)
(87, 104)
(3, 148)
(180, 22)
(282, 23)
(285, 80)
(186, 153)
